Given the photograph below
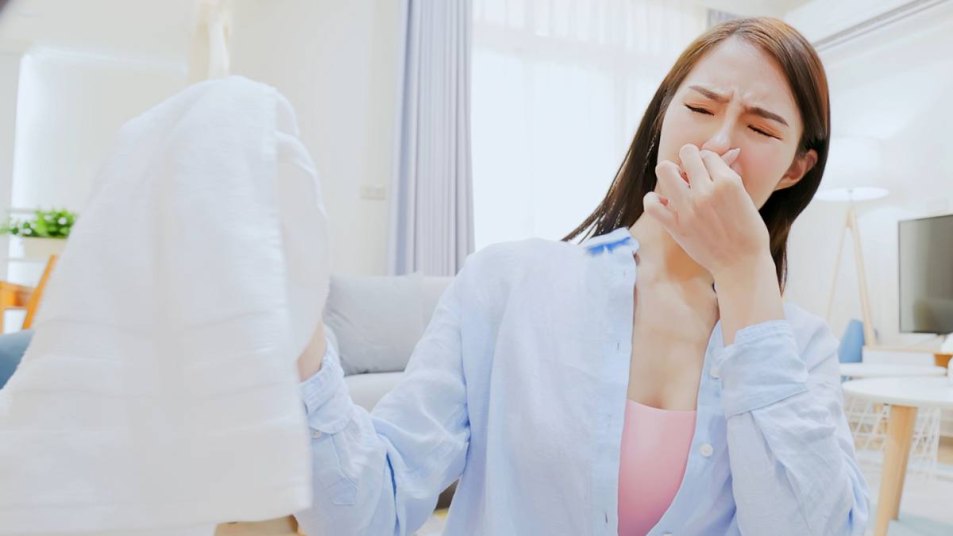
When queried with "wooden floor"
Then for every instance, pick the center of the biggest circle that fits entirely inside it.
(285, 526)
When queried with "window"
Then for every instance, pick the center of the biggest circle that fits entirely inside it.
(559, 87)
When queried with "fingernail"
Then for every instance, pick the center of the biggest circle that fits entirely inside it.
(731, 155)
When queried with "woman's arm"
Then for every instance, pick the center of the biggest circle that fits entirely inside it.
(381, 473)
(748, 294)
(309, 362)
(791, 451)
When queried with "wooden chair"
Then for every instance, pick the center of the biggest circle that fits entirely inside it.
(14, 296)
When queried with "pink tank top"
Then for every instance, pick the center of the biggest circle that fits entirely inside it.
(655, 447)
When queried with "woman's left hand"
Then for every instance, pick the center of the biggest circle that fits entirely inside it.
(712, 217)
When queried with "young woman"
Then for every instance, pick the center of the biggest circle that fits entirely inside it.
(648, 380)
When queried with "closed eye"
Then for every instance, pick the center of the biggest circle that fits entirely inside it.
(699, 110)
(703, 111)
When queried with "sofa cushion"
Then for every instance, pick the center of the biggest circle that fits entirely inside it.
(377, 321)
(367, 389)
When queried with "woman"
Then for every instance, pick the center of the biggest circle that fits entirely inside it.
(646, 381)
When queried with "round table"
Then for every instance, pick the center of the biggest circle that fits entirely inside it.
(905, 396)
(884, 370)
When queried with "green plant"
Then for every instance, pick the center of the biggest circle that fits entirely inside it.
(43, 224)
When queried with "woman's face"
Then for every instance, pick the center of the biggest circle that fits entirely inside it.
(737, 96)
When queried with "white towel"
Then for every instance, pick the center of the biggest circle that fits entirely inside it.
(160, 390)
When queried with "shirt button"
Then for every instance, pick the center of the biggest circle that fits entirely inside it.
(713, 372)
(667, 534)
(315, 434)
(706, 450)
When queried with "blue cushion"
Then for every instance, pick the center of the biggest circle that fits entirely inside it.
(12, 348)
(851, 348)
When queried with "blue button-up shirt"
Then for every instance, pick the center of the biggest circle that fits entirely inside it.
(518, 388)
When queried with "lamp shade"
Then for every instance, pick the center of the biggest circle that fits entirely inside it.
(854, 170)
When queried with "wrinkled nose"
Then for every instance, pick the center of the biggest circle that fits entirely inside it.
(720, 141)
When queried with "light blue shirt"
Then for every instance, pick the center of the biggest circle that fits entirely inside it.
(518, 388)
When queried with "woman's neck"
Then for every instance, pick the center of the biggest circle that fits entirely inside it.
(660, 256)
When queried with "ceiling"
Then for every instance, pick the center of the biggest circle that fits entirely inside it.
(773, 8)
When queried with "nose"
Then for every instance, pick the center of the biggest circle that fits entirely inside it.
(720, 140)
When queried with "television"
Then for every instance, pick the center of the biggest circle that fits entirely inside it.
(926, 275)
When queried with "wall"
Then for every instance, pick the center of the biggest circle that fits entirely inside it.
(9, 85)
(69, 106)
(337, 64)
(335, 61)
(890, 84)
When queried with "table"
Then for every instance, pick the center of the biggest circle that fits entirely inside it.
(883, 370)
(940, 358)
(905, 396)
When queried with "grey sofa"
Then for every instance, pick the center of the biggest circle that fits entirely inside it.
(374, 323)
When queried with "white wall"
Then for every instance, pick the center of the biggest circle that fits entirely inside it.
(69, 107)
(893, 84)
(335, 61)
(9, 84)
(337, 64)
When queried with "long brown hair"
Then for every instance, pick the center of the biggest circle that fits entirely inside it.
(622, 205)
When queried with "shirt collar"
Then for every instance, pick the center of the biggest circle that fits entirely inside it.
(620, 237)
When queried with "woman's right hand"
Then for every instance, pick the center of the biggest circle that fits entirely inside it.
(309, 362)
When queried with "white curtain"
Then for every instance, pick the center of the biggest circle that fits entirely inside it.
(559, 87)
(431, 213)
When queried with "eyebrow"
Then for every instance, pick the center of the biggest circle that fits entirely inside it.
(756, 110)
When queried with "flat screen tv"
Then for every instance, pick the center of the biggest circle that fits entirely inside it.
(926, 275)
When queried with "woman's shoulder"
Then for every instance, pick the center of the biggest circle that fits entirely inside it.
(495, 270)
(518, 252)
(505, 257)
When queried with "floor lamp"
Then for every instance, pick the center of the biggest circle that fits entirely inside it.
(852, 170)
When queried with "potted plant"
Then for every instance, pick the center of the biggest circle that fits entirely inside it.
(44, 233)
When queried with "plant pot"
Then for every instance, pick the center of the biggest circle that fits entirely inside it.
(42, 248)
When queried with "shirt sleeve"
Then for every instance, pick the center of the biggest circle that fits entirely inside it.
(791, 451)
(382, 472)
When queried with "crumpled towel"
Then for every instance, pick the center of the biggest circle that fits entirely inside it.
(160, 392)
